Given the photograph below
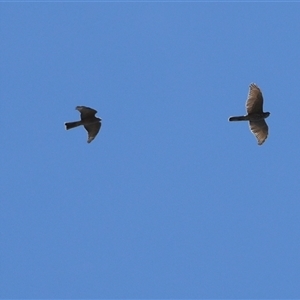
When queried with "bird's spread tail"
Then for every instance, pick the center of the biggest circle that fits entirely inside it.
(240, 118)
(70, 125)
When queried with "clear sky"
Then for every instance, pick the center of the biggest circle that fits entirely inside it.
(170, 200)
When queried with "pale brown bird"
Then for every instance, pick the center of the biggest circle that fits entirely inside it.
(255, 114)
(90, 122)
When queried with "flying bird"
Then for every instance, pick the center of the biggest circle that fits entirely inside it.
(255, 114)
(90, 122)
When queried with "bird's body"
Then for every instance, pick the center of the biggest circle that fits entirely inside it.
(91, 123)
(255, 114)
(251, 117)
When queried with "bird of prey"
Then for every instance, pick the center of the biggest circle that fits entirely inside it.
(90, 122)
(255, 114)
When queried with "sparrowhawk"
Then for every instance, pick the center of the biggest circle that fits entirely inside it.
(90, 122)
(255, 114)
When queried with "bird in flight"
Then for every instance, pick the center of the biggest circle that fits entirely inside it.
(90, 122)
(255, 114)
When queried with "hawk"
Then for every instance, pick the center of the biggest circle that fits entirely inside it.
(255, 114)
(90, 122)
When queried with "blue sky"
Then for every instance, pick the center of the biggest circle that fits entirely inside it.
(170, 200)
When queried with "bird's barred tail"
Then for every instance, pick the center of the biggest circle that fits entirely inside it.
(240, 118)
(72, 124)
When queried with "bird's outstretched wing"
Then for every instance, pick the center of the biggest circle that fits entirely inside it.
(254, 103)
(92, 130)
(86, 112)
(260, 130)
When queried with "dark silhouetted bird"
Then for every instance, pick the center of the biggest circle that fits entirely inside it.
(90, 122)
(255, 114)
